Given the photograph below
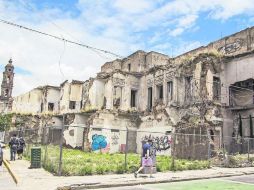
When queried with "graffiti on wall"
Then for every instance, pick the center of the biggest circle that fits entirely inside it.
(232, 47)
(98, 142)
(159, 143)
(114, 139)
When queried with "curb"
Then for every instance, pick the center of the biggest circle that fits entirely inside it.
(13, 175)
(109, 185)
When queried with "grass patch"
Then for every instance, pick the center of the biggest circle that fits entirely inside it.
(76, 162)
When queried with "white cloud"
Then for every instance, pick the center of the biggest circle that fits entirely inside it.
(40, 55)
(176, 32)
(117, 26)
(187, 21)
(229, 8)
(183, 23)
(133, 7)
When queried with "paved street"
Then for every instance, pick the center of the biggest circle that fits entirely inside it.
(39, 179)
(232, 183)
(6, 181)
(244, 179)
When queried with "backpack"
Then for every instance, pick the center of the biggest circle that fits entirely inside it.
(13, 143)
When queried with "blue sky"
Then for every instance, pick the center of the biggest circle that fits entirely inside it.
(17, 70)
(122, 26)
(203, 23)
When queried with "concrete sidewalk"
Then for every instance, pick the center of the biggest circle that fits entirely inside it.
(39, 179)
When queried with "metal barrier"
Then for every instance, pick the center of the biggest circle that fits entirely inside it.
(77, 150)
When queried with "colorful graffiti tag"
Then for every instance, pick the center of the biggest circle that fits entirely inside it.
(98, 142)
(159, 143)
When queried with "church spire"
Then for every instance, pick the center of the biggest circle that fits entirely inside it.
(7, 86)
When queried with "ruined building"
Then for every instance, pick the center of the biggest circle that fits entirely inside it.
(6, 88)
(152, 95)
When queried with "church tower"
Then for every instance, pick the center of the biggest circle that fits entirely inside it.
(6, 87)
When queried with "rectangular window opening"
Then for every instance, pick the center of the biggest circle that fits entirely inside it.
(115, 131)
(188, 88)
(170, 90)
(160, 92)
(129, 67)
(72, 105)
(96, 129)
(81, 104)
(117, 96)
(216, 88)
(133, 98)
(150, 98)
(42, 107)
(50, 106)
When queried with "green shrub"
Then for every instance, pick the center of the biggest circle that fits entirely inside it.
(86, 170)
(162, 166)
(120, 169)
(100, 169)
(251, 159)
(132, 169)
(88, 160)
(76, 162)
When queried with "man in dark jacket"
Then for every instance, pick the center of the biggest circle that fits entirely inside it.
(21, 146)
(13, 144)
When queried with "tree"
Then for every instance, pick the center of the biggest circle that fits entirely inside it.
(5, 122)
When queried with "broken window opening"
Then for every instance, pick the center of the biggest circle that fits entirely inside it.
(216, 88)
(188, 88)
(160, 92)
(115, 130)
(41, 107)
(211, 134)
(133, 98)
(50, 106)
(230, 97)
(170, 90)
(129, 67)
(117, 96)
(72, 105)
(96, 129)
(81, 104)
(150, 98)
(241, 93)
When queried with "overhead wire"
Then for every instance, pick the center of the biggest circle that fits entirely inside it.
(97, 50)
(60, 59)
(59, 38)
(27, 5)
(89, 47)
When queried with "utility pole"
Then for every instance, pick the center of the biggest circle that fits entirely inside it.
(61, 148)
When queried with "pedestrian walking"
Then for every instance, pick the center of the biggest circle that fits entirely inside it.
(146, 159)
(21, 146)
(13, 144)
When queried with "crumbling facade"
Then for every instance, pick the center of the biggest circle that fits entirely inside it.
(43, 99)
(152, 96)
